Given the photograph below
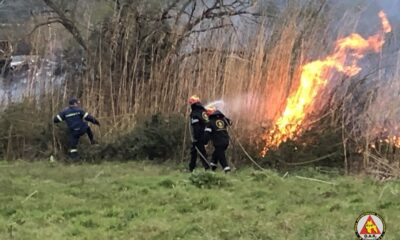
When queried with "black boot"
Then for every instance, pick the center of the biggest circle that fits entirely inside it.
(73, 156)
(213, 166)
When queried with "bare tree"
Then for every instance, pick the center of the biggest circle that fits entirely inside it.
(63, 19)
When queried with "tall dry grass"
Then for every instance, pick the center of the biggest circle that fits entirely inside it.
(129, 77)
(263, 70)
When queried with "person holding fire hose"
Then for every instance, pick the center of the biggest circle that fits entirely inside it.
(198, 121)
(76, 119)
(216, 131)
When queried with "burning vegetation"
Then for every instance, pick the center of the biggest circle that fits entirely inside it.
(315, 76)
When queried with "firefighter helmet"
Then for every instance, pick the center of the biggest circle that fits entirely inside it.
(210, 110)
(194, 99)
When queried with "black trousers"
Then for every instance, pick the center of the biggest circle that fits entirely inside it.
(73, 140)
(219, 156)
(198, 147)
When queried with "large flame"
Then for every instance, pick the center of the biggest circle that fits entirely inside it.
(314, 77)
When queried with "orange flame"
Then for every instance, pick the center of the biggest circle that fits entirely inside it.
(314, 77)
(385, 22)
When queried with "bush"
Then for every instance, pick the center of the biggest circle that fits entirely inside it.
(312, 145)
(208, 180)
(25, 131)
(157, 138)
(167, 183)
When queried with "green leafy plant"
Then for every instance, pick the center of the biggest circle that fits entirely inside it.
(208, 180)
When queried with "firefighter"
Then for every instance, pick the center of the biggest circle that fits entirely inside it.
(198, 121)
(216, 131)
(76, 119)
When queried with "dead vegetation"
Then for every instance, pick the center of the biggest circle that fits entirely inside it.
(137, 59)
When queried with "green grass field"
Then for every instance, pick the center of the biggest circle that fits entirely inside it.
(144, 201)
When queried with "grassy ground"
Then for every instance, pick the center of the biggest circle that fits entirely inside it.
(143, 201)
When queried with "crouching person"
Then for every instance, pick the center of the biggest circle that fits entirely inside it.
(217, 132)
(76, 119)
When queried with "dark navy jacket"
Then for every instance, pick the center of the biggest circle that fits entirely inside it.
(74, 117)
(217, 129)
(198, 121)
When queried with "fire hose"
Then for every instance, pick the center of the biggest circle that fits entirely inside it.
(230, 129)
(197, 149)
(236, 140)
(243, 149)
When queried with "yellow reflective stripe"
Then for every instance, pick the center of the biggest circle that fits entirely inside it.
(59, 118)
(86, 114)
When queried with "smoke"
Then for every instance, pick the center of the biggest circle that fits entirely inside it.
(219, 104)
(382, 114)
(391, 7)
(371, 96)
(242, 106)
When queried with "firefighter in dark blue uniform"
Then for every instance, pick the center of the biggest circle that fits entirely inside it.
(76, 119)
(216, 131)
(198, 121)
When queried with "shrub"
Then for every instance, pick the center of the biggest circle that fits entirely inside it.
(157, 138)
(26, 131)
(208, 180)
(322, 146)
(167, 183)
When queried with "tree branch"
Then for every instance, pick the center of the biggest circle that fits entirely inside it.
(207, 29)
(43, 24)
(165, 14)
(68, 24)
